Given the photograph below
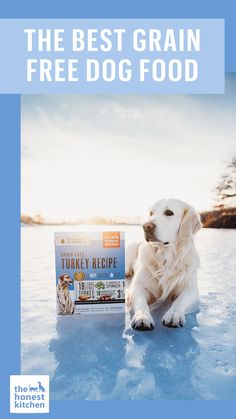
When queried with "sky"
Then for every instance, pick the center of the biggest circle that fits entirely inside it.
(115, 155)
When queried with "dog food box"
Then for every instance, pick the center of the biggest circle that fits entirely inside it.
(90, 272)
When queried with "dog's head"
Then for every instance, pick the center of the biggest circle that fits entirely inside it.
(65, 280)
(169, 220)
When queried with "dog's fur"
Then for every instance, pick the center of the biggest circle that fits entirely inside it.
(64, 303)
(164, 266)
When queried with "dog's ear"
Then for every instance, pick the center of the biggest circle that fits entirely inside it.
(190, 223)
(62, 277)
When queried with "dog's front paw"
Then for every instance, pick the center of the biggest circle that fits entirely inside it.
(173, 318)
(142, 321)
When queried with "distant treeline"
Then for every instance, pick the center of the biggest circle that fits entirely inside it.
(39, 220)
(28, 219)
(219, 218)
(216, 218)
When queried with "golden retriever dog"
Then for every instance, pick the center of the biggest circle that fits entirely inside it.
(164, 266)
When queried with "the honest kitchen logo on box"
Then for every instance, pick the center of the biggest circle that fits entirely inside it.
(29, 394)
(111, 239)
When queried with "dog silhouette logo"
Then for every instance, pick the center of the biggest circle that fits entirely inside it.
(41, 387)
(31, 388)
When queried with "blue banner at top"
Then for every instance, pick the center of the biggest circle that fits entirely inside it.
(183, 56)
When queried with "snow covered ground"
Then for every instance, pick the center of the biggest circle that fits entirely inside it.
(101, 358)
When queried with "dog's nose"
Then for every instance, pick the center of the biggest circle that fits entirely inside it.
(149, 227)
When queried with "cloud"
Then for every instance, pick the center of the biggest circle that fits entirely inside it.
(113, 155)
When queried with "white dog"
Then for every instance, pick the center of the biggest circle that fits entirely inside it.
(165, 265)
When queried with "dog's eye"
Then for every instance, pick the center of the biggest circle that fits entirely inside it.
(150, 213)
(168, 212)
